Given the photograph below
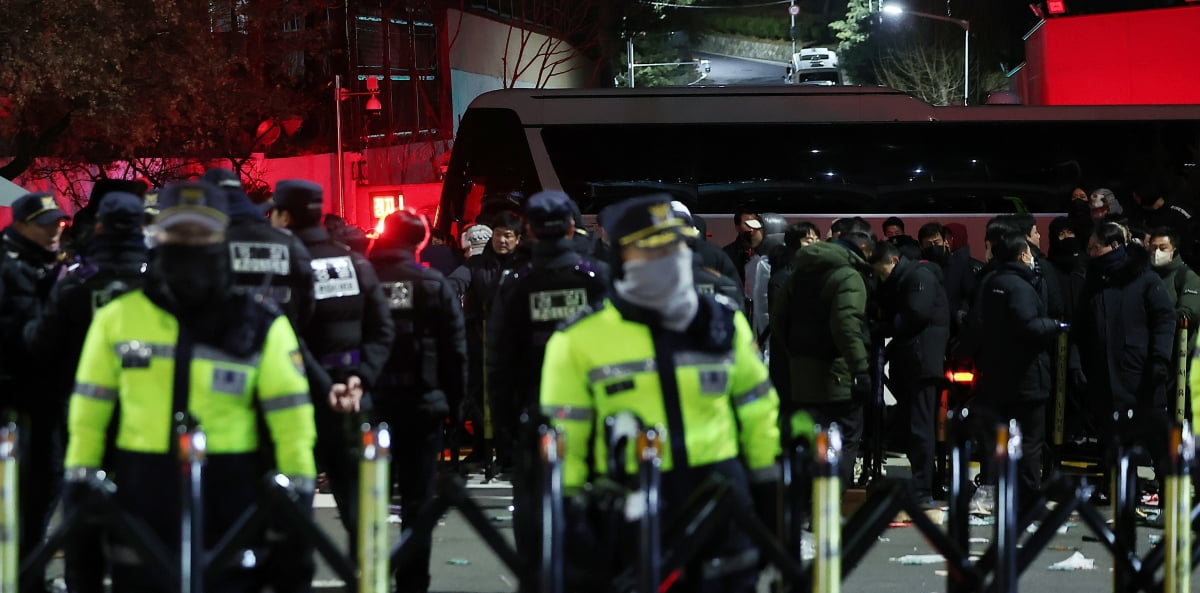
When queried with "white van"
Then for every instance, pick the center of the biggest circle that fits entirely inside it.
(815, 66)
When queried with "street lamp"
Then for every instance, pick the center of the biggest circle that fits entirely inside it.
(965, 24)
(373, 107)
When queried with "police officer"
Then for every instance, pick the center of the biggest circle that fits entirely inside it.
(349, 337)
(675, 359)
(424, 379)
(112, 265)
(28, 269)
(553, 286)
(266, 260)
(238, 357)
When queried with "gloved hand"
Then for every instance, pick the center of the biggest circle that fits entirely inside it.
(860, 388)
(301, 490)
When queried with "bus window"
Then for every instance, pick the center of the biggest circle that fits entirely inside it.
(491, 158)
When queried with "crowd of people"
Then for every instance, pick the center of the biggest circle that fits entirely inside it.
(278, 330)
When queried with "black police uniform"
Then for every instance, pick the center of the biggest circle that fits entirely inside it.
(530, 305)
(423, 380)
(350, 335)
(27, 273)
(266, 261)
(113, 265)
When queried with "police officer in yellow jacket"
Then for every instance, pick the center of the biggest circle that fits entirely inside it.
(682, 361)
(187, 347)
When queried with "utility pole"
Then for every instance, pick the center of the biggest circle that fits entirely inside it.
(629, 51)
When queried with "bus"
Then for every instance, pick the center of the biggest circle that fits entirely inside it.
(808, 152)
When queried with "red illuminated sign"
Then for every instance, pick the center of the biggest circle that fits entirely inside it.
(1056, 6)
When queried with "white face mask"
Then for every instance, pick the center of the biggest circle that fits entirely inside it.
(1161, 258)
(664, 285)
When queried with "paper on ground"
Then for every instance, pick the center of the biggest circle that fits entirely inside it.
(1075, 562)
(913, 559)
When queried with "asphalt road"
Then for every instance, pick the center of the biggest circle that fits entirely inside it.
(728, 70)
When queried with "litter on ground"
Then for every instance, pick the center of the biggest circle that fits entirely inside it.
(1075, 562)
(917, 559)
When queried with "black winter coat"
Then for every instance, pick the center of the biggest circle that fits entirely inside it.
(914, 313)
(478, 279)
(530, 305)
(1013, 361)
(427, 369)
(56, 334)
(1125, 329)
(27, 273)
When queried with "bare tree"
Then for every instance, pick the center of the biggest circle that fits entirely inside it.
(932, 73)
(565, 30)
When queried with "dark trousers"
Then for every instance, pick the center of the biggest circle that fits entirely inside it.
(849, 417)
(149, 488)
(336, 454)
(917, 419)
(1031, 417)
(40, 450)
(417, 445)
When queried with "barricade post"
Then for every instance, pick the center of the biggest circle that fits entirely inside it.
(827, 512)
(1008, 453)
(9, 517)
(1060, 402)
(649, 454)
(193, 451)
(1181, 376)
(374, 486)
(1177, 508)
(1123, 497)
(552, 567)
(957, 521)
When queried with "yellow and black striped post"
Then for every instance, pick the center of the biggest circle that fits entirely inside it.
(1060, 391)
(374, 480)
(1177, 536)
(9, 522)
(827, 512)
(1181, 375)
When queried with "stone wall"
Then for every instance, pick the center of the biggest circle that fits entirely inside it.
(729, 45)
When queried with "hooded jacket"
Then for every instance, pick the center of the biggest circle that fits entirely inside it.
(1125, 331)
(821, 316)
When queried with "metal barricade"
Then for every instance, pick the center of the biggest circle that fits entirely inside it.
(1182, 347)
(9, 517)
(1177, 508)
(827, 512)
(193, 452)
(373, 497)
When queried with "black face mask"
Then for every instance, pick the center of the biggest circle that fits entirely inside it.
(195, 275)
(746, 236)
(936, 253)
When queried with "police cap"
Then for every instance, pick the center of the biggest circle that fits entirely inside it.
(298, 197)
(121, 212)
(646, 221)
(549, 213)
(198, 202)
(38, 208)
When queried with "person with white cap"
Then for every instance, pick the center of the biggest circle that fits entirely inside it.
(185, 350)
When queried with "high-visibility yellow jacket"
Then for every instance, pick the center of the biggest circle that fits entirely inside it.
(128, 356)
(603, 363)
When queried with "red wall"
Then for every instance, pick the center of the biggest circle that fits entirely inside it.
(1127, 58)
